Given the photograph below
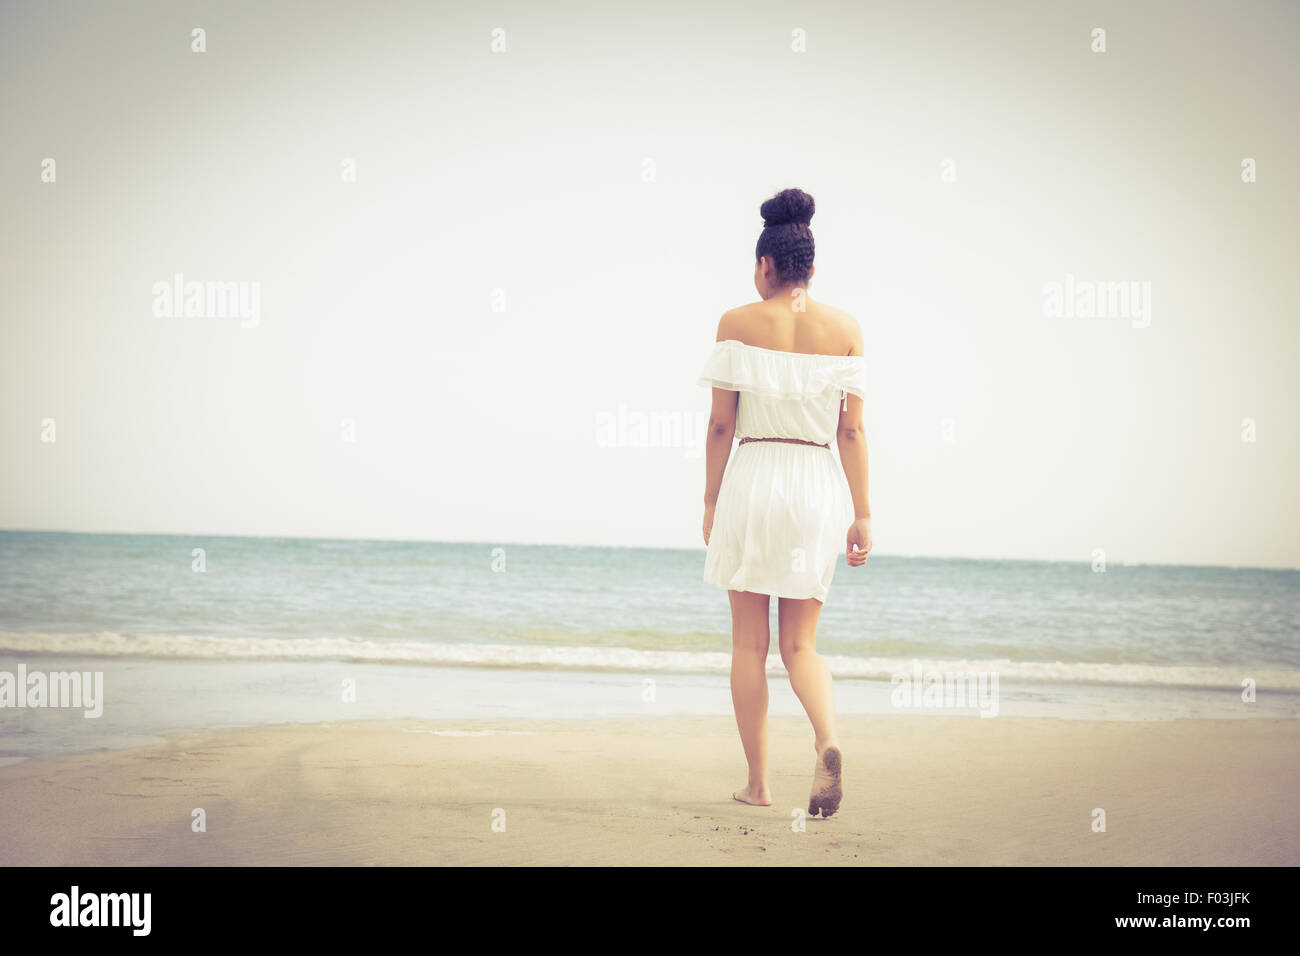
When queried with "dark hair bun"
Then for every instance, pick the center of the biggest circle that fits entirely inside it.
(789, 205)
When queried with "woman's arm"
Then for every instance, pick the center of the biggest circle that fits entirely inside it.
(722, 429)
(853, 455)
(852, 442)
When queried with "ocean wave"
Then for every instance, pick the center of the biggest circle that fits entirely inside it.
(557, 657)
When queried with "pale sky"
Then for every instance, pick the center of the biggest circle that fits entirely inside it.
(599, 182)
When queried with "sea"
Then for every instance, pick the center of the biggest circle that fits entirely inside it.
(192, 632)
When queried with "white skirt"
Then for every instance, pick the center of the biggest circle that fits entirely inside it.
(781, 520)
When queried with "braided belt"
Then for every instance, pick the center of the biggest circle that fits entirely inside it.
(789, 441)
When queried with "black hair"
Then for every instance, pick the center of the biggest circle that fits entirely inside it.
(786, 236)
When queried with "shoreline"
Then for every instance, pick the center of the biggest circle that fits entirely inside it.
(147, 699)
(615, 791)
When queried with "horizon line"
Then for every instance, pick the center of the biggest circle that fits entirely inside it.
(643, 547)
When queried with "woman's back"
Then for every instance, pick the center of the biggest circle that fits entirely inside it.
(777, 324)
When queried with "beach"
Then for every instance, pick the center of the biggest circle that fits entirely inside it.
(919, 790)
(377, 702)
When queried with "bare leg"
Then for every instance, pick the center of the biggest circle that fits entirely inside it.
(811, 680)
(750, 637)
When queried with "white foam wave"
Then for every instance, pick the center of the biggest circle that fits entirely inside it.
(174, 646)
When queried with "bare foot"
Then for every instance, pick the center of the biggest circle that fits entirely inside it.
(826, 790)
(754, 797)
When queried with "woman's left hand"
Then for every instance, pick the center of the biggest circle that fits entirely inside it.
(708, 522)
(858, 542)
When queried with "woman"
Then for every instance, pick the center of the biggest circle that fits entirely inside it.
(787, 374)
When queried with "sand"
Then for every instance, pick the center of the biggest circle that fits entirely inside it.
(919, 790)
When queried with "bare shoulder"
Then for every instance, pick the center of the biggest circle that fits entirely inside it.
(736, 323)
(848, 329)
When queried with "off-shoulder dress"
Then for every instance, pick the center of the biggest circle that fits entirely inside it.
(784, 508)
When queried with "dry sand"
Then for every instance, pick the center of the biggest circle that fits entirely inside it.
(918, 790)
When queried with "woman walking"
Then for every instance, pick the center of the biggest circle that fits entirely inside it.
(788, 375)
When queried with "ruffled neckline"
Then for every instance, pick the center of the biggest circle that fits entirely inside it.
(760, 348)
(738, 367)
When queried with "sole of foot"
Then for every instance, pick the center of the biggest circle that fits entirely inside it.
(826, 789)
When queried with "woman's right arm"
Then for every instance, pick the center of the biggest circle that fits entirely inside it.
(718, 438)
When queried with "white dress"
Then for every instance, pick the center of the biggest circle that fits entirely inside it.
(783, 509)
